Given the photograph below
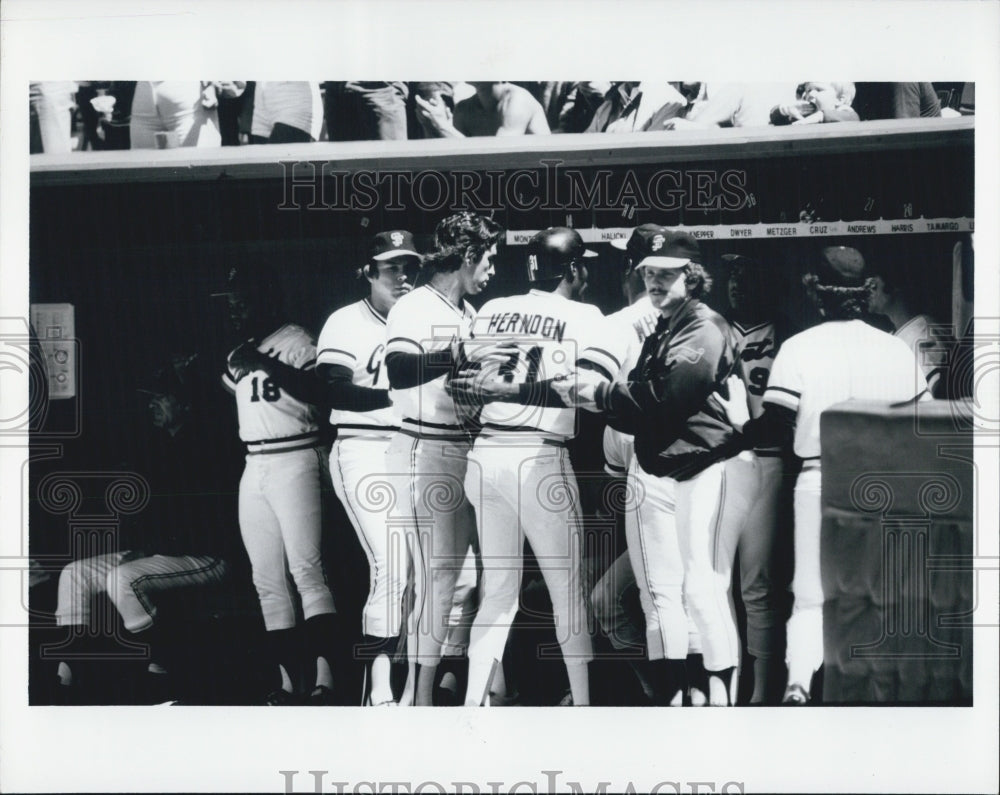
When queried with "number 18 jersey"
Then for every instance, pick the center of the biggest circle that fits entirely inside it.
(551, 334)
(267, 412)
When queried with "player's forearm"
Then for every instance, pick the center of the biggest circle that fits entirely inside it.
(775, 427)
(343, 395)
(407, 370)
(300, 384)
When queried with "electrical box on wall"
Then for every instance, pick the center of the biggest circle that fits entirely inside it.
(56, 331)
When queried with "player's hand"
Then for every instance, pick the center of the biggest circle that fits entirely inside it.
(477, 387)
(576, 392)
(246, 358)
(735, 406)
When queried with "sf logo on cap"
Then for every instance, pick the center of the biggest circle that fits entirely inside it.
(657, 243)
(397, 239)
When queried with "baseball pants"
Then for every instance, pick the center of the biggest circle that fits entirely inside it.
(281, 516)
(356, 466)
(172, 107)
(805, 627)
(654, 563)
(521, 490)
(756, 483)
(131, 585)
(439, 526)
(617, 604)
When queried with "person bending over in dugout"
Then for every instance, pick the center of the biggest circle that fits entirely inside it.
(178, 541)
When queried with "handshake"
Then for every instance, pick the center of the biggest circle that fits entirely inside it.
(507, 371)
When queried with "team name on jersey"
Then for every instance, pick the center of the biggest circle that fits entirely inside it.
(533, 324)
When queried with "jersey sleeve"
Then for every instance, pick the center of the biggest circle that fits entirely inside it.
(604, 347)
(303, 355)
(333, 346)
(784, 385)
(405, 329)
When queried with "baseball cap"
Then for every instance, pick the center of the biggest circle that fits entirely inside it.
(841, 266)
(656, 246)
(244, 281)
(395, 243)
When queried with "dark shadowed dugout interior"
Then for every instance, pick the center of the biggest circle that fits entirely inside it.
(138, 241)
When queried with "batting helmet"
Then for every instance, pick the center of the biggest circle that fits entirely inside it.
(552, 250)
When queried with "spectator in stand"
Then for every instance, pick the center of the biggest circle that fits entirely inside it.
(733, 105)
(896, 101)
(630, 107)
(286, 112)
(51, 116)
(168, 114)
(433, 92)
(363, 111)
(570, 107)
(817, 103)
(495, 109)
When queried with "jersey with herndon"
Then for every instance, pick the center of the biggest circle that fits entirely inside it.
(552, 334)
(836, 361)
(422, 321)
(265, 410)
(354, 337)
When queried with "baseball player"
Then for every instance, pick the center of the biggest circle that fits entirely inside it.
(651, 500)
(522, 484)
(840, 359)
(351, 346)
(681, 433)
(423, 335)
(272, 377)
(179, 540)
(756, 481)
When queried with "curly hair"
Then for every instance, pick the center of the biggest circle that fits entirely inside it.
(471, 233)
(445, 260)
(838, 303)
(696, 280)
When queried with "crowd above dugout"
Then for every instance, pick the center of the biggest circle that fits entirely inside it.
(112, 115)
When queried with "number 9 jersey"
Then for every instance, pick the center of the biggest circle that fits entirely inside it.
(552, 335)
(267, 412)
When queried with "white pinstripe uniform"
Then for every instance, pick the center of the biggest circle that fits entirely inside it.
(520, 480)
(354, 337)
(280, 491)
(427, 460)
(132, 585)
(824, 365)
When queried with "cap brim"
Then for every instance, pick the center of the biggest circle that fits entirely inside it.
(399, 252)
(620, 243)
(671, 263)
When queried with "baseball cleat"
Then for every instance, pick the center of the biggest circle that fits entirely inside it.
(279, 698)
(321, 696)
(795, 696)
